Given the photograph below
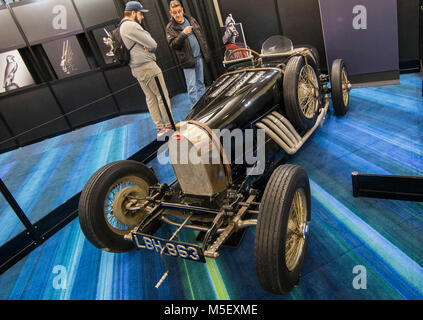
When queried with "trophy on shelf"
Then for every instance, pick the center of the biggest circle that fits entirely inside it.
(9, 74)
(108, 42)
(67, 58)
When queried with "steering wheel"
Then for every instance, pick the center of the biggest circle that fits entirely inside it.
(244, 49)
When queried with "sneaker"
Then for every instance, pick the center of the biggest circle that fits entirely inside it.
(161, 132)
(167, 129)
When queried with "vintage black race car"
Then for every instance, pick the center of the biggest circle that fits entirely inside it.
(276, 100)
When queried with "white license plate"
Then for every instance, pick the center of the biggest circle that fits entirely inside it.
(171, 248)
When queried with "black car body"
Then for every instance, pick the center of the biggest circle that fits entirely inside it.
(279, 94)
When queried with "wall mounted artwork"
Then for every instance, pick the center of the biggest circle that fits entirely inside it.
(101, 36)
(13, 72)
(66, 57)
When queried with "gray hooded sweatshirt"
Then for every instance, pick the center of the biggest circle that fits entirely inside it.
(132, 33)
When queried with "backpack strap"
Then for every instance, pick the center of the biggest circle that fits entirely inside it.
(120, 24)
(132, 46)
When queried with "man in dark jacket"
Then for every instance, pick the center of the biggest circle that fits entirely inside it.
(185, 36)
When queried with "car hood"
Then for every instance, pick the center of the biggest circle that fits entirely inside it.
(234, 99)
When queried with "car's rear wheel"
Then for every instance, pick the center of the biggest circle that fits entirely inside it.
(106, 206)
(340, 87)
(282, 229)
(302, 92)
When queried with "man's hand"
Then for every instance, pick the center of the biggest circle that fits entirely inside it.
(188, 30)
(146, 50)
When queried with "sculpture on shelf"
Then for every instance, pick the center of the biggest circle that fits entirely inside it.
(9, 74)
(67, 58)
(108, 42)
(231, 33)
(230, 36)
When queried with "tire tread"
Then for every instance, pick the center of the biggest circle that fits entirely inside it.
(267, 244)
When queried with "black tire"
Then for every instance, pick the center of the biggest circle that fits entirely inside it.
(271, 232)
(336, 79)
(290, 93)
(92, 217)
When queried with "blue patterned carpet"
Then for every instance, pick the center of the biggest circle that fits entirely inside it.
(383, 133)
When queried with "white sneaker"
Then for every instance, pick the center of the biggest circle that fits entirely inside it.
(160, 132)
(163, 131)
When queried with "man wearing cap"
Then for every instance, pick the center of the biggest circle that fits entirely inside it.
(185, 36)
(143, 63)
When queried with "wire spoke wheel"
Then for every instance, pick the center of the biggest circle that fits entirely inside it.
(117, 205)
(302, 92)
(345, 86)
(296, 231)
(308, 91)
(113, 202)
(340, 87)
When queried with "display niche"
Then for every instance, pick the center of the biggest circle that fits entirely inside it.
(66, 57)
(14, 74)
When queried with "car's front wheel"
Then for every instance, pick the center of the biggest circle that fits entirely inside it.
(282, 229)
(109, 201)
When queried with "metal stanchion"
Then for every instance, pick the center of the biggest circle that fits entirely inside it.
(21, 215)
(169, 114)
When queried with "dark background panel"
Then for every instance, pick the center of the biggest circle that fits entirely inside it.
(36, 19)
(155, 22)
(94, 12)
(30, 110)
(11, 39)
(5, 137)
(204, 12)
(131, 99)
(78, 96)
(408, 30)
(301, 22)
(370, 49)
(259, 19)
(421, 29)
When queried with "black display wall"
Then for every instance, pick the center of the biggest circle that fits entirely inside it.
(11, 39)
(38, 111)
(408, 32)
(129, 97)
(75, 93)
(301, 23)
(421, 31)
(32, 114)
(6, 136)
(260, 19)
(57, 104)
(204, 12)
(300, 20)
